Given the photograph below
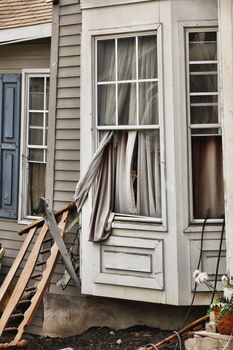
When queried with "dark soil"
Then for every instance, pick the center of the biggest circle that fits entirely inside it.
(101, 338)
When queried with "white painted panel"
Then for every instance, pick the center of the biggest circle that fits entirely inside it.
(131, 262)
(209, 258)
(116, 260)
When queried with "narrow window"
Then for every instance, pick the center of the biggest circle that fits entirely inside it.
(204, 126)
(127, 104)
(37, 95)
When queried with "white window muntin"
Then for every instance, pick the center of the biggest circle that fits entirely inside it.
(44, 127)
(160, 125)
(137, 80)
(213, 129)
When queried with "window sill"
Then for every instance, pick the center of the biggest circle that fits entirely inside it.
(209, 227)
(28, 220)
(141, 226)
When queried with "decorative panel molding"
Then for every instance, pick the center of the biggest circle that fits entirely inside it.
(132, 262)
(209, 260)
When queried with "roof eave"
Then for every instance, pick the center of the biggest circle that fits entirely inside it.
(38, 31)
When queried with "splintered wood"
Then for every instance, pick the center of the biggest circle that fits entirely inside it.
(30, 275)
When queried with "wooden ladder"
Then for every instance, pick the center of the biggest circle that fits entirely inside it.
(33, 280)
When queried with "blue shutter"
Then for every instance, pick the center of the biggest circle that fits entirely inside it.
(9, 143)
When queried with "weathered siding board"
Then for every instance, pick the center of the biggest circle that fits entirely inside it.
(67, 129)
(68, 72)
(60, 154)
(68, 145)
(69, 82)
(68, 103)
(70, 40)
(70, 114)
(68, 185)
(71, 50)
(69, 123)
(64, 176)
(68, 134)
(71, 61)
(69, 10)
(66, 165)
(72, 29)
(66, 162)
(70, 19)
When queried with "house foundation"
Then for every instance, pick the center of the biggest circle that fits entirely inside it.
(70, 315)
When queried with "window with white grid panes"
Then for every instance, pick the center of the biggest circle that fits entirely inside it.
(205, 136)
(127, 101)
(37, 95)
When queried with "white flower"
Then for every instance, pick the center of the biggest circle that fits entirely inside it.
(225, 281)
(200, 277)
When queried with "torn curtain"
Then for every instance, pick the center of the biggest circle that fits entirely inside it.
(126, 168)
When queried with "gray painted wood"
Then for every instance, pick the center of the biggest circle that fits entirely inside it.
(67, 113)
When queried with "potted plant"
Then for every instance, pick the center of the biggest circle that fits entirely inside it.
(222, 307)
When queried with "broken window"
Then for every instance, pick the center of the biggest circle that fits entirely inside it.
(205, 136)
(129, 180)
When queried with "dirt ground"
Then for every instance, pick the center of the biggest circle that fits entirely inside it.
(101, 338)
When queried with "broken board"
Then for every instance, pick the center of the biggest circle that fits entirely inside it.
(31, 273)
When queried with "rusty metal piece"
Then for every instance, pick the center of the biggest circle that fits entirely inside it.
(184, 333)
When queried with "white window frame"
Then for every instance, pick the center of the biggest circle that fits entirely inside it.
(190, 127)
(134, 221)
(23, 178)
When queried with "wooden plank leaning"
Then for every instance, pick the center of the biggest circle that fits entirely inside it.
(11, 273)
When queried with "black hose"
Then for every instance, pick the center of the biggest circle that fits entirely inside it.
(218, 261)
(198, 266)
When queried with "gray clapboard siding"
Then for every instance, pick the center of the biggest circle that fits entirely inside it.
(66, 72)
(69, 51)
(69, 82)
(68, 165)
(69, 123)
(68, 103)
(63, 175)
(70, 40)
(60, 155)
(68, 145)
(70, 19)
(68, 10)
(71, 61)
(72, 29)
(69, 114)
(69, 134)
(68, 185)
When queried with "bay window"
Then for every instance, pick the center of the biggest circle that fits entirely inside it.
(205, 136)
